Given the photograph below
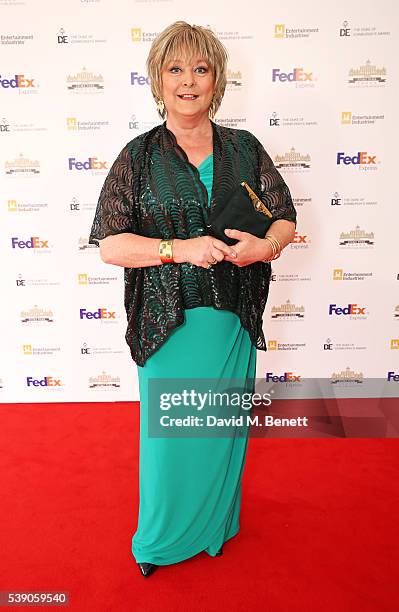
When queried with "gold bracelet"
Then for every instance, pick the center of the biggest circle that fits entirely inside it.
(273, 244)
(276, 248)
(275, 240)
(166, 251)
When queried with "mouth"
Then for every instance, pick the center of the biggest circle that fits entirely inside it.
(187, 96)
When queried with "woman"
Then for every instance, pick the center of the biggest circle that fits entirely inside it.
(194, 304)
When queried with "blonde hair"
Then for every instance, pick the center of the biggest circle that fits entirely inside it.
(178, 38)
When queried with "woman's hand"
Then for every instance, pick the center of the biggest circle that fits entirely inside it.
(202, 251)
(249, 249)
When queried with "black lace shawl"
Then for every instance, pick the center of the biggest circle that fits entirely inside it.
(153, 190)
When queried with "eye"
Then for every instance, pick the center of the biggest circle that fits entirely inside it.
(202, 69)
(174, 69)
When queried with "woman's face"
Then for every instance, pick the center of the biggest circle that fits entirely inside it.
(188, 87)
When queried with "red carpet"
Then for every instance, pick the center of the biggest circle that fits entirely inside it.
(319, 525)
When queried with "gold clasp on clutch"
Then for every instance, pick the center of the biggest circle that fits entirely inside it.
(257, 203)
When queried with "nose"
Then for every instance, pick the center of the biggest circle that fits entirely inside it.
(188, 79)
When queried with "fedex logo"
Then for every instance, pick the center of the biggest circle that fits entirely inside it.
(137, 79)
(299, 239)
(360, 159)
(350, 309)
(392, 377)
(32, 243)
(91, 164)
(101, 313)
(19, 81)
(47, 381)
(286, 377)
(297, 74)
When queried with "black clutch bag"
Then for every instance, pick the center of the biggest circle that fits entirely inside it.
(241, 209)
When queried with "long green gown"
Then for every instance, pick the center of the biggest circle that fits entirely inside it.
(190, 488)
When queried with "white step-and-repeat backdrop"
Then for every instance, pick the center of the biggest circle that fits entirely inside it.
(318, 87)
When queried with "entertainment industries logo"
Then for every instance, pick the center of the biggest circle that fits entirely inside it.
(282, 31)
(85, 279)
(77, 125)
(232, 122)
(137, 35)
(19, 206)
(275, 345)
(350, 118)
(15, 39)
(302, 201)
(340, 275)
(31, 350)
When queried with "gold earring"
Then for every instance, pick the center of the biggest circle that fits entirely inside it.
(211, 110)
(161, 108)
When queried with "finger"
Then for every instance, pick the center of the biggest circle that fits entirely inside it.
(233, 253)
(237, 234)
(233, 260)
(225, 248)
(218, 255)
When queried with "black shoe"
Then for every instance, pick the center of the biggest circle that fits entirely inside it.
(219, 552)
(147, 569)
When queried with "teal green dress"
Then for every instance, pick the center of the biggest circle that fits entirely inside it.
(190, 487)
